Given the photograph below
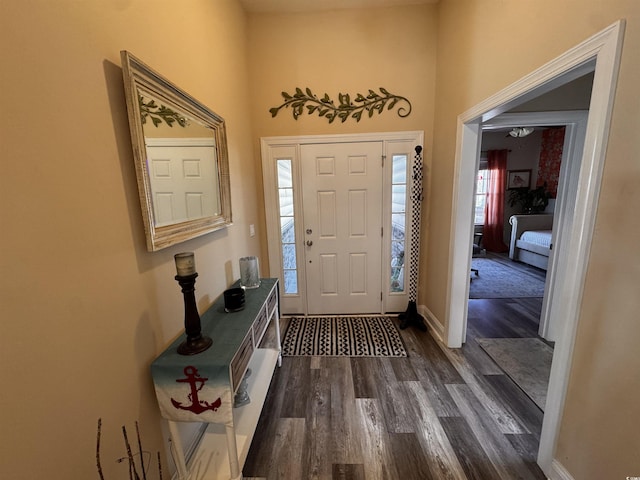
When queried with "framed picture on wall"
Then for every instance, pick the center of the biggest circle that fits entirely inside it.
(518, 179)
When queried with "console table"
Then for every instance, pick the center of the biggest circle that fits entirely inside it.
(201, 387)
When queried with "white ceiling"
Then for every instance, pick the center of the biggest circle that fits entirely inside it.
(262, 6)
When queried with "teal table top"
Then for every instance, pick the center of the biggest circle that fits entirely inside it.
(227, 330)
(198, 387)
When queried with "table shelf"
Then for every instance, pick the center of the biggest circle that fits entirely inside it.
(210, 460)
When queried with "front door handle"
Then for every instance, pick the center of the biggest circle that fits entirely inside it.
(309, 243)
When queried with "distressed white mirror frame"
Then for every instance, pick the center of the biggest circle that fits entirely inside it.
(137, 76)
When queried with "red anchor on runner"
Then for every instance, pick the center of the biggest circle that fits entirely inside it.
(196, 382)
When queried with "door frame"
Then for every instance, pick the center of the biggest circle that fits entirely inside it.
(575, 123)
(273, 148)
(600, 54)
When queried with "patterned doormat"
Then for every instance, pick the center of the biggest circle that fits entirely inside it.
(342, 336)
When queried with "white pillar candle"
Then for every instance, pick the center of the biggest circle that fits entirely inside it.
(185, 264)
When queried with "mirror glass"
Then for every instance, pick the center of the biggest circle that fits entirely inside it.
(180, 152)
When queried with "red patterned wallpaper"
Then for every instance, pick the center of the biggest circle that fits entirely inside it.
(550, 158)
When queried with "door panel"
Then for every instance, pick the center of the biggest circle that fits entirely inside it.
(181, 181)
(327, 223)
(328, 274)
(342, 209)
(358, 271)
(357, 213)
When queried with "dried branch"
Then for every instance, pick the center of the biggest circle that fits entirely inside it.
(130, 457)
(133, 474)
(98, 464)
(141, 453)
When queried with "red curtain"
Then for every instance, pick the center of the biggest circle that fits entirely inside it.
(492, 234)
(550, 159)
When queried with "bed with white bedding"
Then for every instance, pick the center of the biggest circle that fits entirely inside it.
(531, 239)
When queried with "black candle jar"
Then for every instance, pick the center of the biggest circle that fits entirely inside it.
(233, 299)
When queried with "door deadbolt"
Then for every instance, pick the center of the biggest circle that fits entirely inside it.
(309, 231)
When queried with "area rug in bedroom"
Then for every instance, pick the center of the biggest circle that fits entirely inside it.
(499, 280)
(527, 361)
(364, 336)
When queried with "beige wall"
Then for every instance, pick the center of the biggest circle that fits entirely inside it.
(344, 51)
(483, 46)
(85, 308)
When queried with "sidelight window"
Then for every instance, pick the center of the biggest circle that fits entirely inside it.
(398, 221)
(287, 226)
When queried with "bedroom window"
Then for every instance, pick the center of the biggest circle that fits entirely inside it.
(482, 183)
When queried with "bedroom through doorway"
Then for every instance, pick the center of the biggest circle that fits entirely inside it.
(544, 160)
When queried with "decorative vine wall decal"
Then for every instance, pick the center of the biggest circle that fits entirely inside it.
(345, 108)
(159, 113)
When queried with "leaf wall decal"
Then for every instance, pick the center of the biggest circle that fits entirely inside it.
(325, 106)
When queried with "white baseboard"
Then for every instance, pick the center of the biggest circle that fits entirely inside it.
(437, 329)
(558, 472)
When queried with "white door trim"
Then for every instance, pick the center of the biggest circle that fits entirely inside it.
(575, 123)
(180, 142)
(600, 53)
(289, 147)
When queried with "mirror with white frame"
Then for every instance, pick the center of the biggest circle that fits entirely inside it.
(180, 153)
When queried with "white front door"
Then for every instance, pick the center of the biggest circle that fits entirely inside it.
(180, 172)
(342, 231)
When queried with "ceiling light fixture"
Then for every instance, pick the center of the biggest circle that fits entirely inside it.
(519, 132)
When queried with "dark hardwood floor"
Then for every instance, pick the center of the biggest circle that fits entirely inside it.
(437, 414)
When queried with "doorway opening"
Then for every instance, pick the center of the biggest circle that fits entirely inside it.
(600, 54)
(557, 216)
(510, 315)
